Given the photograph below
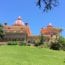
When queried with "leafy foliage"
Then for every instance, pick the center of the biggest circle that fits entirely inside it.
(62, 42)
(12, 43)
(55, 46)
(22, 43)
(1, 31)
(47, 4)
(41, 40)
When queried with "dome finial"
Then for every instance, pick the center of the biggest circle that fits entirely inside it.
(50, 24)
(19, 17)
(19, 21)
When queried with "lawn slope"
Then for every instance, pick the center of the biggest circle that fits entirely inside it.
(20, 55)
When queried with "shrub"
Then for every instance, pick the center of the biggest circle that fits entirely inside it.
(22, 43)
(63, 47)
(62, 42)
(41, 40)
(46, 45)
(28, 44)
(55, 46)
(12, 43)
(37, 44)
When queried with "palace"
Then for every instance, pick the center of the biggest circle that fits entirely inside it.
(52, 33)
(18, 31)
(21, 31)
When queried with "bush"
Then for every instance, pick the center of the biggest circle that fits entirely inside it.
(42, 39)
(38, 44)
(46, 45)
(12, 43)
(63, 47)
(62, 42)
(22, 43)
(28, 44)
(55, 46)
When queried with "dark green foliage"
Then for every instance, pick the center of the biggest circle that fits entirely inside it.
(55, 46)
(37, 44)
(47, 4)
(12, 43)
(22, 43)
(41, 40)
(63, 47)
(1, 32)
(62, 42)
(28, 45)
(59, 44)
(46, 45)
(14, 39)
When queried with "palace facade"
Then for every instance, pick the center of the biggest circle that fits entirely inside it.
(21, 31)
(50, 32)
(18, 31)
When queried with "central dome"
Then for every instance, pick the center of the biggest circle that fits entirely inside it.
(49, 25)
(19, 21)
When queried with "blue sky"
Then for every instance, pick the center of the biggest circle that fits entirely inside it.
(30, 13)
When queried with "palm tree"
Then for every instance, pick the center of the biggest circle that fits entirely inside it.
(47, 4)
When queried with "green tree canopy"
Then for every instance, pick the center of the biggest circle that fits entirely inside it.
(47, 4)
(1, 31)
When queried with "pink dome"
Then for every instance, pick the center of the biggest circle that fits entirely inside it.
(49, 25)
(19, 21)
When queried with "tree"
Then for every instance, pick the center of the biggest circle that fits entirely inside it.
(62, 42)
(55, 46)
(41, 39)
(47, 4)
(1, 32)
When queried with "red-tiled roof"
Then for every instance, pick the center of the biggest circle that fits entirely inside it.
(18, 26)
(50, 30)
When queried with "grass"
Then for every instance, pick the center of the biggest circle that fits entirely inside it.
(23, 55)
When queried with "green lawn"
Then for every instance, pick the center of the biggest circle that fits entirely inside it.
(20, 55)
